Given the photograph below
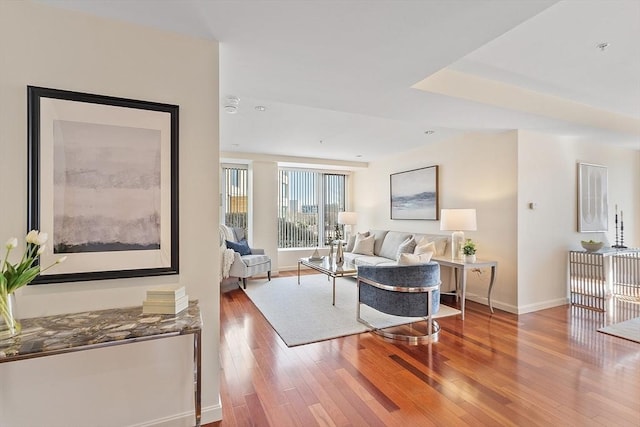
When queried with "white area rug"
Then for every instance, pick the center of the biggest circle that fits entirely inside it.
(629, 330)
(303, 314)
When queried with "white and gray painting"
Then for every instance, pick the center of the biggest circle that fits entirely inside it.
(413, 194)
(106, 188)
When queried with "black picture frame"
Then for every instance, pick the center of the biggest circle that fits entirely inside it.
(103, 183)
(414, 194)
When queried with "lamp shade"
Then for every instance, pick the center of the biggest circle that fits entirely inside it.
(458, 219)
(347, 218)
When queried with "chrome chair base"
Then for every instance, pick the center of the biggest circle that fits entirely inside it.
(409, 339)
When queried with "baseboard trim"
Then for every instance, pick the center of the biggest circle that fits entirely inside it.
(509, 308)
(518, 309)
(542, 305)
(210, 414)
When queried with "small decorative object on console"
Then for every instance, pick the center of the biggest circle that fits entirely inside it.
(591, 245)
(167, 300)
(619, 244)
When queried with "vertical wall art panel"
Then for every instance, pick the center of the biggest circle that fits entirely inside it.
(592, 198)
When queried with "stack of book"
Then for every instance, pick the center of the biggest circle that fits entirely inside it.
(167, 300)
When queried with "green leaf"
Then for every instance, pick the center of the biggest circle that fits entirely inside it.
(24, 278)
(3, 285)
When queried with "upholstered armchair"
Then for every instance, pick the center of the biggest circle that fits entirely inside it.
(235, 264)
(401, 290)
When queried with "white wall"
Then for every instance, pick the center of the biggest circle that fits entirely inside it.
(477, 170)
(500, 174)
(264, 209)
(139, 384)
(547, 175)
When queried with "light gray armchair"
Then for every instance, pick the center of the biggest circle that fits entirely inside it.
(244, 266)
(402, 290)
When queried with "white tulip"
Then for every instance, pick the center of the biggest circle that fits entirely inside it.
(41, 249)
(32, 237)
(61, 259)
(12, 243)
(42, 238)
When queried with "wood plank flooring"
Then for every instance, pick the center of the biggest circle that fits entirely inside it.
(545, 368)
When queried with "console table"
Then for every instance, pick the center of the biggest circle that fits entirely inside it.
(595, 277)
(66, 333)
(461, 281)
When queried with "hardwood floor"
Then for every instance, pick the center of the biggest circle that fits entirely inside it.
(545, 368)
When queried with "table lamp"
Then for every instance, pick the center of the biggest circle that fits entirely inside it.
(458, 221)
(348, 219)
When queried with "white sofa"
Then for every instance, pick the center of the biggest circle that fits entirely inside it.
(385, 249)
(385, 252)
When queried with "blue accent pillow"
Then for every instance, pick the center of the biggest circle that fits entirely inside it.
(242, 247)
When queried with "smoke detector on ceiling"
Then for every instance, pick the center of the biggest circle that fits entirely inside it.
(231, 104)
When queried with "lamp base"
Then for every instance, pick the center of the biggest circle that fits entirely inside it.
(457, 242)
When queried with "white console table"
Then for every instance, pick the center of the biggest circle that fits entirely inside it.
(461, 279)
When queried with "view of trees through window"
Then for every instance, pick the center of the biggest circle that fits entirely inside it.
(308, 206)
(235, 196)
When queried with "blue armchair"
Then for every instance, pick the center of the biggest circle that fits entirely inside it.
(401, 290)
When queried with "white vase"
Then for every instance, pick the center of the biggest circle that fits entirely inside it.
(470, 259)
(9, 326)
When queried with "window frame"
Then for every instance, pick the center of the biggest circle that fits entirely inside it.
(321, 233)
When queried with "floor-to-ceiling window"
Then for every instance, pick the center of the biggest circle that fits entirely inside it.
(308, 206)
(235, 196)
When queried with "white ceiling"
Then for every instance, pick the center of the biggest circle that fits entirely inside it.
(342, 79)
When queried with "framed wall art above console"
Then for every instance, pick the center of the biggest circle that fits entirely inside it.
(103, 182)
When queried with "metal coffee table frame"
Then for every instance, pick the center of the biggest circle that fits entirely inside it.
(328, 266)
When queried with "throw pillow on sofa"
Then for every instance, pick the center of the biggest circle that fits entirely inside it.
(439, 242)
(425, 246)
(413, 259)
(406, 247)
(352, 241)
(364, 245)
(241, 247)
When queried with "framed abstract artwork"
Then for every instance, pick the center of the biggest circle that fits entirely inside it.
(414, 194)
(103, 183)
(592, 198)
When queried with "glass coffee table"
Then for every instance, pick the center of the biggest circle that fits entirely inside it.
(328, 266)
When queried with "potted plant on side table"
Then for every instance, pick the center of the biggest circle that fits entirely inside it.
(469, 251)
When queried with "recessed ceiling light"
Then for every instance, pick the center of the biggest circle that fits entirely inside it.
(429, 132)
(261, 108)
(602, 46)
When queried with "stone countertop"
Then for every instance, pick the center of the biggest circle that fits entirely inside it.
(41, 336)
